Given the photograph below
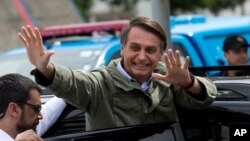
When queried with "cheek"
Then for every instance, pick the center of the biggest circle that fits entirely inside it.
(158, 57)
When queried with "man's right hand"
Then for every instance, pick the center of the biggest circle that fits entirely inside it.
(38, 56)
(28, 135)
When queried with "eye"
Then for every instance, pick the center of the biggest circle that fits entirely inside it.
(135, 48)
(36, 108)
(151, 50)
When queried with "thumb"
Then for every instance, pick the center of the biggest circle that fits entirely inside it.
(158, 76)
(49, 54)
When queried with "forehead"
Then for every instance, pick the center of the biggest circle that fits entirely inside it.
(35, 96)
(240, 48)
(139, 30)
(142, 36)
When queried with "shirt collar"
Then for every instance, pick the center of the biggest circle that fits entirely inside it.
(4, 136)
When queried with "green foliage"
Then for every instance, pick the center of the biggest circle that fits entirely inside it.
(213, 5)
(83, 7)
(175, 5)
(125, 4)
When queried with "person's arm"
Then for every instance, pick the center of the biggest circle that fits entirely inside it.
(38, 56)
(51, 110)
(28, 135)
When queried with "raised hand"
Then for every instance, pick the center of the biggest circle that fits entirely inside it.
(38, 56)
(177, 73)
(28, 135)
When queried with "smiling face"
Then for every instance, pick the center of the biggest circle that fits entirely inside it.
(30, 117)
(141, 53)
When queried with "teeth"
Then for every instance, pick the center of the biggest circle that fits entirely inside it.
(141, 65)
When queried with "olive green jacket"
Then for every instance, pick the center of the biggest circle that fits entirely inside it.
(111, 101)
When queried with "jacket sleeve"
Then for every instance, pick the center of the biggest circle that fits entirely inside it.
(75, 86)
(184, 99)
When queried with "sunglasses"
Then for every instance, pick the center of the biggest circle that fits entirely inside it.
(36, 108)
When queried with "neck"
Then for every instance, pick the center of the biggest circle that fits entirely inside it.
(8, 128)
(140, 81)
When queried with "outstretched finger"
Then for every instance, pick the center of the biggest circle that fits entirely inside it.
(31, 33)
(38, 36)
(171, 58)
(24, 41)
(168, 65)
(186, 64)
(39, 41)
(25, 34)
(178, 58)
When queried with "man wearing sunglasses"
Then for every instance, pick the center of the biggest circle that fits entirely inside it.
(19, 107)
(22, 95)
(51, 110)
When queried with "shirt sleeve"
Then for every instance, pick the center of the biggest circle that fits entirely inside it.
(51, 110)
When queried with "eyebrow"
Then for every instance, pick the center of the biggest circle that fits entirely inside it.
(137, 44)
(35, 107)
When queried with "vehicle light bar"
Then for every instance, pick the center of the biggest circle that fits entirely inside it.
(82, 29)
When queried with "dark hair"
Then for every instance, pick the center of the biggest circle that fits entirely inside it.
(233, 42)
(15, 88)
(146, 24)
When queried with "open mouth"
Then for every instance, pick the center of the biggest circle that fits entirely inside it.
(141, 66)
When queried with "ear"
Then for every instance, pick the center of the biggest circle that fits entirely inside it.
(225, 54)
(121, 51)
(13, 109)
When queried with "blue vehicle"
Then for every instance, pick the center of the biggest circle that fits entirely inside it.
(202, 37)
(197, 36)
(92, 45)
(84, 47)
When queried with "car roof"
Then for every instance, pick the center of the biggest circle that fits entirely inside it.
(198, 23)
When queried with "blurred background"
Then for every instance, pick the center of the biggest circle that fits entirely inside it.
(44, 13)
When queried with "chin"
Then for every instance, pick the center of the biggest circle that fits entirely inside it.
(141, 74)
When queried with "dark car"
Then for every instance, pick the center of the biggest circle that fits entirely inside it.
(169, 131)
(229, 112)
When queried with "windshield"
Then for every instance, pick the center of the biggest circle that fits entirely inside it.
(74, 58)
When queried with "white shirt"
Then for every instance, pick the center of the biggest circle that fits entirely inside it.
(4, 136)
(51, 110)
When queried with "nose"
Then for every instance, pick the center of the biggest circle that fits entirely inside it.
(40, 116)
(141, 55)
